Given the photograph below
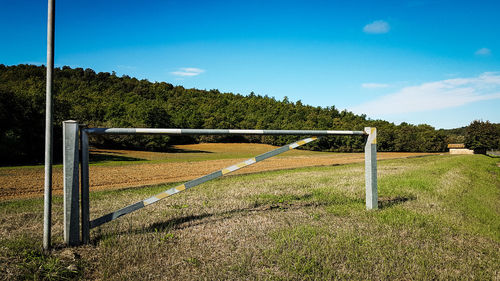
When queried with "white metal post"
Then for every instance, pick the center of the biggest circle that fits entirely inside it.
(71, 186)
(371, 169)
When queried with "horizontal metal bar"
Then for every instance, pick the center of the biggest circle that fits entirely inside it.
(126, 131)
(141, 204)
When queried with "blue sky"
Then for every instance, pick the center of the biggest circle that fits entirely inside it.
(434, 62)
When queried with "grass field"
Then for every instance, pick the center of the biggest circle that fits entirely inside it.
(438, 219)
(114, 169)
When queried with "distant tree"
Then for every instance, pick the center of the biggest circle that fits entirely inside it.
(481, 136)
(106, 100)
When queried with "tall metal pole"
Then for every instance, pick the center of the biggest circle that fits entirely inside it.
(47, 207)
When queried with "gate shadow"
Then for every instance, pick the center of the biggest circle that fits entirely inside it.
(183, 222)
(188, 221)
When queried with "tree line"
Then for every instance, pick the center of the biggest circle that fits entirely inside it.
(107, 100)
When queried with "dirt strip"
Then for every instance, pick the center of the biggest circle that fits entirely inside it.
(28, 182)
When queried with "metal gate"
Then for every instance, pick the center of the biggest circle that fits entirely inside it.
(74, 136)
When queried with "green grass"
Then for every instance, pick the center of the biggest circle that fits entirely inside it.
(24, 260)
(438, 219)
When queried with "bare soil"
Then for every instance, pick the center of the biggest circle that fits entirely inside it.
(28, 182)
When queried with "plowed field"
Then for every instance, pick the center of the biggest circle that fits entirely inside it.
(123, 169)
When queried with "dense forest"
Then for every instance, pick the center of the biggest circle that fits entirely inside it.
(106, 100)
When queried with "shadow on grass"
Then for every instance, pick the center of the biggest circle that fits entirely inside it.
(103, 157)
(391, 201)
(295, 202)
(194, 220)
(174, 223)
(168, 150)
(155, 227)
(177, 150)
(97, 156)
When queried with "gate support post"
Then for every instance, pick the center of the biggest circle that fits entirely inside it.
(85, 188)
(71, 186)
(371, 169)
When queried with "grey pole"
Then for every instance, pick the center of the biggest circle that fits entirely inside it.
(371, 169)
(85, 188)
(47, 207)
(71, 187)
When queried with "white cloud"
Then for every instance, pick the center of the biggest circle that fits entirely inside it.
(377, 27)
(374, 85)
(187, 72)
(435, 95)
(128, 67)
(483, 52)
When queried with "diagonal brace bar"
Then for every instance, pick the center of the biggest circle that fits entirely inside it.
(141, 204)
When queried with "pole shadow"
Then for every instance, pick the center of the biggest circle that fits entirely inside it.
(387, 202)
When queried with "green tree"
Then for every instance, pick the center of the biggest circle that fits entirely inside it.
(106, 100)
(481, 136)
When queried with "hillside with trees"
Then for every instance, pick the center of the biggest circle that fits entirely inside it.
(106, 100)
